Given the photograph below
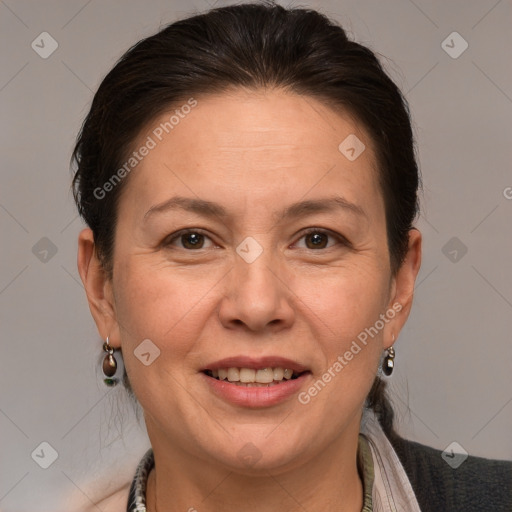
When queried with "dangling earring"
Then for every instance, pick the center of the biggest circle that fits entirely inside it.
(388, 365)
(109, 365)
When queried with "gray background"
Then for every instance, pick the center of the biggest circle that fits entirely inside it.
(454, 356)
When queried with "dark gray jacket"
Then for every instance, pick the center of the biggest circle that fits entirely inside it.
(477, 485)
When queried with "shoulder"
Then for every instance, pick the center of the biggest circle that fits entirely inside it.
(476, 484)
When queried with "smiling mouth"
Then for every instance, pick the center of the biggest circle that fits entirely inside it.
(250, 377)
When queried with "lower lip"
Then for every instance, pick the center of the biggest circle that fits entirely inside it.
(257, 396)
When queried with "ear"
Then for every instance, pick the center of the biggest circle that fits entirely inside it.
(402, 288)
(98, 288)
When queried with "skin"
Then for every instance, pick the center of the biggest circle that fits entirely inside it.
(254, 153)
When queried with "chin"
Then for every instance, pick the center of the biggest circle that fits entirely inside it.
(259, 450)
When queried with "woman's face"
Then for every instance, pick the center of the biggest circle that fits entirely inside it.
(247, 238)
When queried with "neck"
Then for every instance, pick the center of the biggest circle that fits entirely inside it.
(330, 481)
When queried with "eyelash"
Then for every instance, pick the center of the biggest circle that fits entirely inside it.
(341, 239)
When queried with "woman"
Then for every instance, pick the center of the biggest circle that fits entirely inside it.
(249, 181)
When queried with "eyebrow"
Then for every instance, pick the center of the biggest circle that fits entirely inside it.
(299, 209)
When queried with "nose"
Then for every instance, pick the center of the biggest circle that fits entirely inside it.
(257, 296)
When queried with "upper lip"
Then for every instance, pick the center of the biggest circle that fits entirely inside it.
(256, 363)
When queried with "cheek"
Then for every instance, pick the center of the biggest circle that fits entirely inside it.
(346, 310)
(168, 307)
(346, 300)
(161, 303)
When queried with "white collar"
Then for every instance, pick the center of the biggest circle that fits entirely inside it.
(392, 491)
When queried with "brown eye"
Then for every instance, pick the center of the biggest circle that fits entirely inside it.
(192, 240)
(316, 240)
(320, 239)
(188, 240)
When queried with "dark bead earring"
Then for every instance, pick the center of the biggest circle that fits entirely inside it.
(388, 365)
(109, 365)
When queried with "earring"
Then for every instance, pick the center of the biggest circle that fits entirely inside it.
(388, 365)
(109, 365)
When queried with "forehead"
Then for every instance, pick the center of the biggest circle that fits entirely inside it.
(257, 145)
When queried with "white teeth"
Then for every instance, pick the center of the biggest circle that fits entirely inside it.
(247, 376)
(233, 374)
(264, 376)
(278, 373)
